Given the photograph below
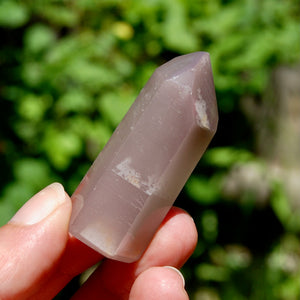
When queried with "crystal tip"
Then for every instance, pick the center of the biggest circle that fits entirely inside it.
(193, 72)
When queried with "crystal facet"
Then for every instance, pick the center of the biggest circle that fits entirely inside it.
(135, 180)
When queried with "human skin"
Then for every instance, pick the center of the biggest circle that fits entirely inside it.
(38, 256)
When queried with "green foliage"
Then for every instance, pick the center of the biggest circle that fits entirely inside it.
(71, 69)
(289, 218)
(13, 13)
(224, 157)
(203, 190)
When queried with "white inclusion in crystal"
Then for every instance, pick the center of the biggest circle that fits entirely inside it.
(124, 170)
(200, 105)
(185, 90)
(129, 174)
(151, 185)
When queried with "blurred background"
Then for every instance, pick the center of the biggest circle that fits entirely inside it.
(69, 70)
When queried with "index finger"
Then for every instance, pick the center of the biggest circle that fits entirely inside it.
(173, 243)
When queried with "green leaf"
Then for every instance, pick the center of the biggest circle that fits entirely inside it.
(113, 106)
(61, 146)
(227, 156)
(59, 13)
(15, 195)
(289, 217)
(33, 107)
(38, 38)
(13, 13)
(33, 73)
(91, 76)
(203, 190)
(32, 172)
(95, 133)
(212, 273)
(209, 222)
(176, 32)
(63, 51)
(74, 101)
(98, 136)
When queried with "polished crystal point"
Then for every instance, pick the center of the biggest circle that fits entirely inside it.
(135, 180)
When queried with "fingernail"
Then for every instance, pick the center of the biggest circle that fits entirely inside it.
(178, 272)
(40, 206)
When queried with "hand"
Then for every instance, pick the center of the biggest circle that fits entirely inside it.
(38, 257)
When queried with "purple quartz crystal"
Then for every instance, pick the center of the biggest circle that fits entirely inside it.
(135, 180)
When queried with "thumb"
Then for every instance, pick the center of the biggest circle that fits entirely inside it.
(32, 242)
